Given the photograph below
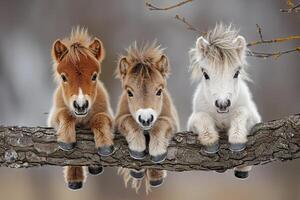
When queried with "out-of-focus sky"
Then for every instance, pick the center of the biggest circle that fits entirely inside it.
(28, 28)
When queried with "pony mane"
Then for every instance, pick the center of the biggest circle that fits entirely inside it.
(147, 54)
(219, 52)
(78, 44)
(142, 59)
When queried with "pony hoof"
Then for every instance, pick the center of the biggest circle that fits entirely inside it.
(156, 183)
(66, 146)
(106, 150)
(137, 154)
(75, 185)
(137, 174)
(211, 149)
(237, 147)
(241, 174)
(95, 170)
(158, 158)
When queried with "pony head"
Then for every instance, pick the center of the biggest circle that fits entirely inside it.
(77, 62)
(143, 72)
(218, 59)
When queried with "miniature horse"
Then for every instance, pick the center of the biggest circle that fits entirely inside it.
(80, 99)
(145, 110)
(222, 101)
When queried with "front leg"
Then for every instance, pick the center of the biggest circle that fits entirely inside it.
(204, 125)
(160, 136)
(238, 131)
(134, 135)
(102, 127)
(64, 123)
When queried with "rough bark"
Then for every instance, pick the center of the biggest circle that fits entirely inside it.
(278, 140)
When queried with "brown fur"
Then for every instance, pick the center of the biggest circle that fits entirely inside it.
(79, 58)
(143, 71)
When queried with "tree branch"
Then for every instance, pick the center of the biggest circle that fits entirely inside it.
(152, 7)
(188, 25)
(278, 140)
(294, 8)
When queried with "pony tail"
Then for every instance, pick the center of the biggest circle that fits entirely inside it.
(136, 184)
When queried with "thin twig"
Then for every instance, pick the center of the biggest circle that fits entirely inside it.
(152, 7)
(188, 25)
(259, 32)
(272, 54)
(295, 8)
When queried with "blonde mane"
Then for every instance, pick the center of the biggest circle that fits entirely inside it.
(146, 54)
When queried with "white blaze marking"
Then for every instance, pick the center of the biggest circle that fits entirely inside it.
(80, 98)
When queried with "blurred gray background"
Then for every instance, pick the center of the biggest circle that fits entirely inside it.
(28, 28)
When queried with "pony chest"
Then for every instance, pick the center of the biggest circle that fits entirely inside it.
(222, 122)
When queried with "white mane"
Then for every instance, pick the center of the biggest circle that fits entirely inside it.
(220, 48)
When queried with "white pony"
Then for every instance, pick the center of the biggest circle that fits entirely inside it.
(222, 101)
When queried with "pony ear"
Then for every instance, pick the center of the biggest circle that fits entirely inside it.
(97, 49)
(241, 45)
(59, 50)
(202, 44)
(163, 65)
(122, 67)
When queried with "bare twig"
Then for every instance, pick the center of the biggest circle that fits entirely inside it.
(276, 40)
(152, 7)
(273, 54)
(295, 8)
(188, 25)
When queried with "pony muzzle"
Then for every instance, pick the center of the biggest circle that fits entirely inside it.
(81, 107)
(146, 118)
(223, 106)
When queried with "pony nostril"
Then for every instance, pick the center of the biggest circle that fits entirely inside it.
(151, 119)
(228, 103)
(140, 119)
(86, 104)
(217, 104)
(76, 105)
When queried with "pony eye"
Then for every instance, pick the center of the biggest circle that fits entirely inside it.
(158, 93)
(94, 77)
(129, 93)
(205, 75)
(64, 78)
(236, 75)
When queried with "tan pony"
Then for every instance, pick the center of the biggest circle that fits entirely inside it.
(146, 115)
(80, 99)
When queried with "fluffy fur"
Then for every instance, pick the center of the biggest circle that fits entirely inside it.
(77, 65)
(143, 73)
(218, 60)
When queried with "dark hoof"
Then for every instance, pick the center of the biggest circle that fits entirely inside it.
(159, 158)
(137, 174)
(66, 146)
(106, 150)
(95, 170)
(241, 174)
(156, 183)
(237, 147)
(211, 149)
(137, 155)
(75, 185)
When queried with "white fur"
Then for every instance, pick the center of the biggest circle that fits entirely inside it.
(242, 114)
(80, 98)
(145, 115)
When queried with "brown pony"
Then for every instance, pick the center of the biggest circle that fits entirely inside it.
(146, 114)
(80, 98)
